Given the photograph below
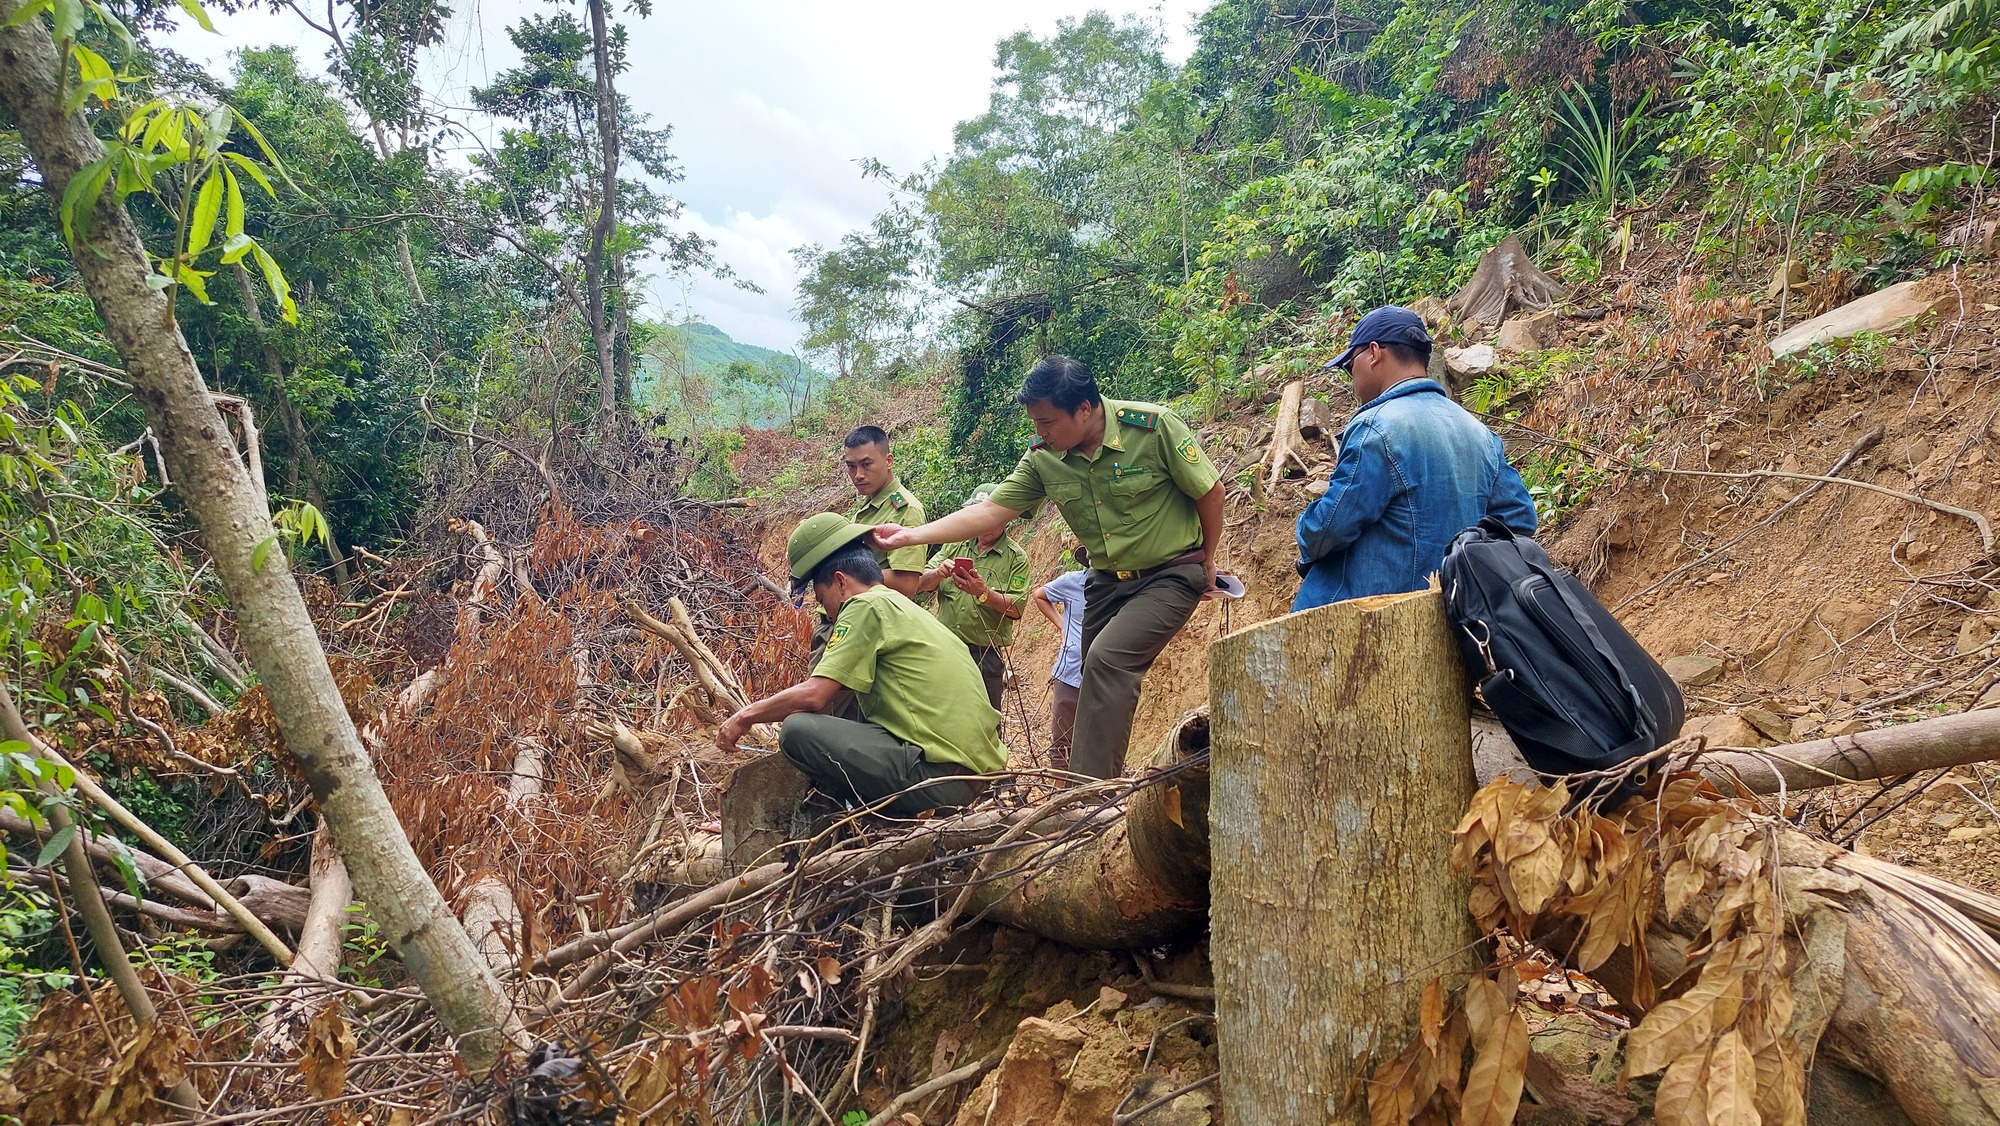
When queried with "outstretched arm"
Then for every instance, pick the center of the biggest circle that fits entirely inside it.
(981, 519)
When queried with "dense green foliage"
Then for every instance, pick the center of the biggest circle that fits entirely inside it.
(1180, 227)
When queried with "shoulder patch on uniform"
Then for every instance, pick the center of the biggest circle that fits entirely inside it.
(1144, 420)
(1189, 452)
(1038, 444)
(839, 634)
(898, 501)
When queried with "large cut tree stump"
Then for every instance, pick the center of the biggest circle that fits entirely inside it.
(1341, 761)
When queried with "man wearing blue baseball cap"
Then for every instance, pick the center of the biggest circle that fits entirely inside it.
(1415, 469)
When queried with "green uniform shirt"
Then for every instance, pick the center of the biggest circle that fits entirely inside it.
(1004, 566)
(894, 505)
(913, 679)
(1132, 504)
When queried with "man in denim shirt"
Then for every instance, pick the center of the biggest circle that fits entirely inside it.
(1415, 469)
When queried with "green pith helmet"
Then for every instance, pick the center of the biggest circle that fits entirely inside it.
(981, 493)
(817, 537)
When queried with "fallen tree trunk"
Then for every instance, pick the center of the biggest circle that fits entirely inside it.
(1886, 752)
(1142, 881)
(314, 977)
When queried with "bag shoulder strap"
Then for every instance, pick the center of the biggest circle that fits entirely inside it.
(1645, 721)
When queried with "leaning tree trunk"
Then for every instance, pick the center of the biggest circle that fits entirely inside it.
(1341, 761)
(277, 630)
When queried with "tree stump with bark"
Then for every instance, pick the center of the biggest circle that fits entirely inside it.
(1340, 761)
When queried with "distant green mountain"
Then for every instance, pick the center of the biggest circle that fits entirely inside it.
(704, 360)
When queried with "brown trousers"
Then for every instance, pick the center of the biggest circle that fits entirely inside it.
(1125, 625)
(1062, 719)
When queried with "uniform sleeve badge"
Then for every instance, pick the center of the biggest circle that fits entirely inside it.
(838, 635)
(1189, 453)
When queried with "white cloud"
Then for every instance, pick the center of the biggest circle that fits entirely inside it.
(771, 106)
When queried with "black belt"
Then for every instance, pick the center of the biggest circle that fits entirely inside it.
(1193, 555)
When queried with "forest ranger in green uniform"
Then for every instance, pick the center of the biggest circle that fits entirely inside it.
(925, 732)
(871, 469)
(1136, 488)
(982, 587)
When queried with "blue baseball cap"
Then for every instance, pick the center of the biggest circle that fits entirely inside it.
(1390, 324)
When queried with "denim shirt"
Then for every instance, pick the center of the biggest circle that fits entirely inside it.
(1415, 470)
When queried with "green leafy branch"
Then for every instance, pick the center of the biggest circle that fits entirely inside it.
(178, 152)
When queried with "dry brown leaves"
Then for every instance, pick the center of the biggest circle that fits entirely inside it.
(68, 1073)
(1687, 861)
(329, 1044)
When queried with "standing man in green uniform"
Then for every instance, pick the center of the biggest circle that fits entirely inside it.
(922, 735)
(871, 469)
(1136, 488)
(982, 586)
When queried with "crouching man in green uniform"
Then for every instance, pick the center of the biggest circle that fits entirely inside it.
(982, 586)
(926, 733)
(1136, 488)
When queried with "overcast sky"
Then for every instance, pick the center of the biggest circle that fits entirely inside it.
(771, 105)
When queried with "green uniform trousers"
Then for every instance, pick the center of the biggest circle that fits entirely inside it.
(862, 762)
(992, 669)
(1125, 625)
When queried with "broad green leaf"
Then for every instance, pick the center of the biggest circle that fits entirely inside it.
(195, 280)
(215, 129)
(156, 129)
(274, 278)
(90, 66)
(250, 168)
(54, 846)
(67, 16)
(207, 205)
(232, 224)
(238, 245)
(194, 8)
(27, 12)
(263, 550)
(79, 202)
(121, 858)
(114, 24)
(141, 118)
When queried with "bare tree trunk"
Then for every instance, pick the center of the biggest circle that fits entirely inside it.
(277, 630)
(288, 413)
(1341, 758)
(607, 216)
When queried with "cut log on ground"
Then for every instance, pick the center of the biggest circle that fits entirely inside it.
(1141, 882)
(1341, 763)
